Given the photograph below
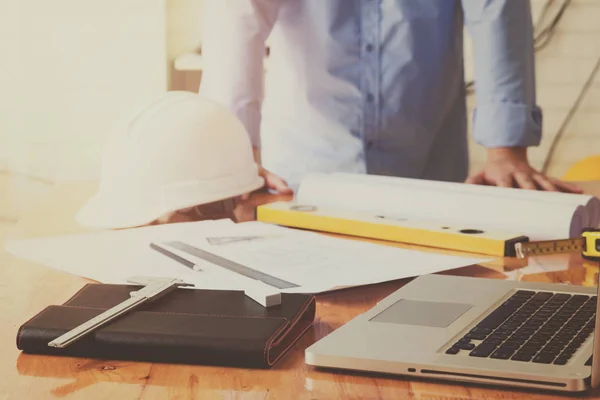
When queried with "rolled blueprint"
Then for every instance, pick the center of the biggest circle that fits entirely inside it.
(540, 215)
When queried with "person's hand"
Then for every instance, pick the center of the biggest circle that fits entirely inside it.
(272, 181)
(508, 167)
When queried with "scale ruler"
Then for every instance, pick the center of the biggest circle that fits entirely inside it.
(233, 266)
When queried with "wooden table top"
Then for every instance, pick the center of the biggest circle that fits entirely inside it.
(26, 288)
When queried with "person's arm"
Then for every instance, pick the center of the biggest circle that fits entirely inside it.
(507, 119)
(233, 50)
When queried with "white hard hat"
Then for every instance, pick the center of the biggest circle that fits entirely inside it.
(176, 152)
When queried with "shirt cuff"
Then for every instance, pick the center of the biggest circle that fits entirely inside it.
(507, 125)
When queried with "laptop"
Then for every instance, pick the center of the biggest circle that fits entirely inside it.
(478, 330)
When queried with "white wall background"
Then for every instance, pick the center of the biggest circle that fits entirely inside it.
(10, 76)
(70, 68)
(184, 27)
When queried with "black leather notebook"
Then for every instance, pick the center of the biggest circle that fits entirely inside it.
(191, 326)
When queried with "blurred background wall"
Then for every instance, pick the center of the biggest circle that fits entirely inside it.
(568, 84)
(71, 68)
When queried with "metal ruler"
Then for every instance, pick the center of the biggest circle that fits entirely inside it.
(588, 244)
(232, 265)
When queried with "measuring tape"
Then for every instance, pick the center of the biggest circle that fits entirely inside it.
(588, 244)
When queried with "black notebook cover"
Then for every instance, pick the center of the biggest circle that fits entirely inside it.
(191, 326)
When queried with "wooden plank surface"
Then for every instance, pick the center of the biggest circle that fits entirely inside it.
(26, 288)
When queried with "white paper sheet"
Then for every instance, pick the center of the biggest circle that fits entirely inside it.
(112, 256)
(319, 263)
(313, 261)
(537, 214)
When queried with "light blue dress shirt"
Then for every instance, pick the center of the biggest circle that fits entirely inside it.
(372, 86)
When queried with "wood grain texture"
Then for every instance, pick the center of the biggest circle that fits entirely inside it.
(26, 288)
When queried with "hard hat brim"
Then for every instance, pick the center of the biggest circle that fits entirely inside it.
(100, 212)
(105, 211)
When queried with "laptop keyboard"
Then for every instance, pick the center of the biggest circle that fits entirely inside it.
(539, 327)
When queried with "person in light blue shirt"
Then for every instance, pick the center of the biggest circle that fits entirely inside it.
(377, 87)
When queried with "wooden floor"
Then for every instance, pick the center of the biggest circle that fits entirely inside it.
(18, 194)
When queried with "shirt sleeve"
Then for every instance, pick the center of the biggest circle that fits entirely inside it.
(233, 51)
(506, 114)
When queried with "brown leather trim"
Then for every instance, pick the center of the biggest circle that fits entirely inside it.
(293, 342)
(268, 347)
(272, 342)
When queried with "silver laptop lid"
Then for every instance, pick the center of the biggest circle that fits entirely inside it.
(596, 351)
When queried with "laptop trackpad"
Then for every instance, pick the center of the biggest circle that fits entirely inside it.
(425, 313)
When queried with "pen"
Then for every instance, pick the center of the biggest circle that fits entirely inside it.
(175, 257)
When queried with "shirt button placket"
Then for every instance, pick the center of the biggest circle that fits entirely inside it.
(370, 57)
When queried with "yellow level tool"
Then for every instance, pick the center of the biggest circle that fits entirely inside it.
(588, 244)
(391, 228)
